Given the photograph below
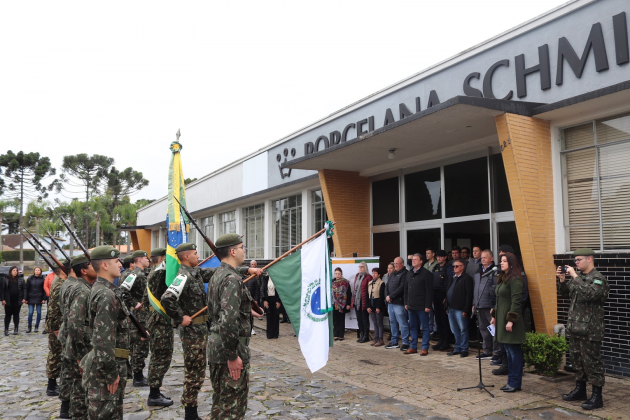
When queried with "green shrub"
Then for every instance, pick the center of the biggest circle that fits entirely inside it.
(544, 352)
(29, 255)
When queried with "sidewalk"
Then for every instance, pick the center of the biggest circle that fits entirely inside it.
(431, 382)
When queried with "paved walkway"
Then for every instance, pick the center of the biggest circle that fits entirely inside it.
(360, 382)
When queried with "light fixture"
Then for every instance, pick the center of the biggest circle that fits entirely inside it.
(392, 154)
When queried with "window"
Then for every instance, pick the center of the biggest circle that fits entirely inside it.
(385, 203)
(227, 222)
(466, 185)
(423, 195)
(501, 200)
(596, 181)
(155, 239)
(253, 228)
(207, 224)
(319, 210)
(287, 220)
(192, 235)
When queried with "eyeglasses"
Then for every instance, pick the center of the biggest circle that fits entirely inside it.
(577, 260)
(458, 265)
(242, 246)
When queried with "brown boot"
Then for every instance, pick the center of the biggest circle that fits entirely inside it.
(379, 343)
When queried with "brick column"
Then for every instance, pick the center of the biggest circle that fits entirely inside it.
(347, 198)
(526, 149)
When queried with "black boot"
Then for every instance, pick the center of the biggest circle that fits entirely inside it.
(359, 336)
(36, 328)
(64, 412)
(52, 390)
(595, 401)
(364, 338)
(139, 380)
(503, 369)
(15, 331)
(439, 344)
(29, 329)
(157, 398)
(191, 413)
(6, 331)
(578, 394)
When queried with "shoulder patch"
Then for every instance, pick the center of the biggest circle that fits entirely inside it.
(597, 281)
(128, 283)
(162, 266)
(178, 285)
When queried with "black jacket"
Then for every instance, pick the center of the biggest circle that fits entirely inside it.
(440, 277)
(34, 290)
(263, 290)
(254, 289)
(419, 289)
(462, 294)
(395, 288)
(4, 290)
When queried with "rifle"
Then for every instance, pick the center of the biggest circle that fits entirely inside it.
(214, 250)
(130, 314)
(41, 254)
(56, 244)
(54, 258)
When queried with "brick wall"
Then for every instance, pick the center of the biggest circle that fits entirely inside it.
(347, 198)
(526, 149)
(616, 344)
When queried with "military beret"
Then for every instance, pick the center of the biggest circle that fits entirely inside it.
(79, 259)
(229, 239)
(158, 252)
(185, 247)
(104, 252)
(139, 253)
(441, 253)
(128, 259)
(506, 248)
(585, 252)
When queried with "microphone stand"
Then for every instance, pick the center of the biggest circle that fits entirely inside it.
(480, 385)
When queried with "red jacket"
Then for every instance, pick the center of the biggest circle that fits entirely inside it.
(364, 288)
(48, 282)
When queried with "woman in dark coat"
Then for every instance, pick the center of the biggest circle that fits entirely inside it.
(12, 292)
(508, 319)
(376, 306)
(272, 304)
(34, 296)
(342, 296)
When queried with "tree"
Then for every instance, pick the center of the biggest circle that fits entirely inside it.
(189, 180)
(37, 211)
(98, 209)
(23, 175)
(123, 184)
(72, 212)
(85, 172)
(4, 204)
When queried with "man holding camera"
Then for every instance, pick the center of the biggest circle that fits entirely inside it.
(588, 292)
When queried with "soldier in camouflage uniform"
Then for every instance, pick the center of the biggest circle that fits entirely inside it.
(588, 292)
(104, 367)
(161, 330)
(230, 311)
(183, 298)
(53, 324)
(78, 332)
(134, 286)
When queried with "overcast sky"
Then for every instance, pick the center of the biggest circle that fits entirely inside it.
(119, 78)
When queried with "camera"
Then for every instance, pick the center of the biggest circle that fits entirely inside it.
(563, 269)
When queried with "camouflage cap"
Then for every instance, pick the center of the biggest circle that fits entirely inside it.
(158, 252)
(185, 247)
(79, 259)
(104, 252)
(585, 252)
(128, 259)
(139, 253)
(229, 239)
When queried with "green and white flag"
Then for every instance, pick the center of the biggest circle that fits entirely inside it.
(304, 282)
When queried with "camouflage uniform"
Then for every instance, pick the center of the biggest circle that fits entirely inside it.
(186, 296)
(67, 365)
(53, 363)
(78, 342)
(588, 292)
(229, 308)
(106, 361)
(162, 336)
(134, 286)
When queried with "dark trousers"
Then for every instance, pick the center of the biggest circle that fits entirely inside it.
(273, 317)
(339, 324)
(12, 311)
(363, 320)
(586, 357)
(514, 355)
(441, 317)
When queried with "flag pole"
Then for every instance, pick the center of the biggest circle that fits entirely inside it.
(273, 262)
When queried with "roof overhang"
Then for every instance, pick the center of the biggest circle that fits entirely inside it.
(454, 123)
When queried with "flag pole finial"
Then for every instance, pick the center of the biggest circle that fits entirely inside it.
(177, 135)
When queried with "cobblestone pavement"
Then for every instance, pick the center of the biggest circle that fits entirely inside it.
(360, 382)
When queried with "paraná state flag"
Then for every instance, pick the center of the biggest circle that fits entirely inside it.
(304, 282)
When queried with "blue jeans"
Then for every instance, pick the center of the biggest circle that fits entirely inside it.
(459, 327)
(416, 318)
(514, 355)
(31, 308)
(398, 319)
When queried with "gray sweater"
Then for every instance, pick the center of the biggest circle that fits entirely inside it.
(486, 283)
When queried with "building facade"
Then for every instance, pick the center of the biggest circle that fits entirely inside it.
(521, 140)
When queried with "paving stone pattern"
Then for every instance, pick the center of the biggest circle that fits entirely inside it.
(360, 382)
